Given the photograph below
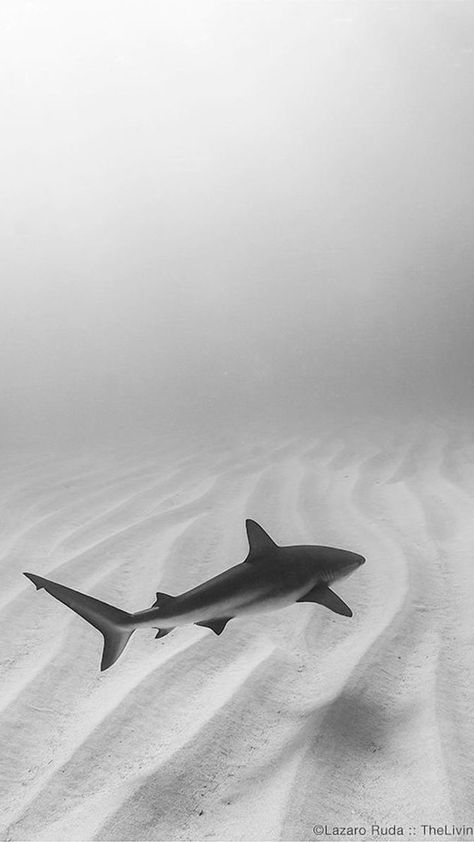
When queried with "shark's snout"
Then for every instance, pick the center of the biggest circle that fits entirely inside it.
(354, 562)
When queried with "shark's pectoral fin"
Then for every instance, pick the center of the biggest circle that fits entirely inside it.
(162, 632)
(161, 598)
(325, 596)
(217, 626)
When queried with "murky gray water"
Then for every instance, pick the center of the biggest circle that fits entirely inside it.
(229, 213)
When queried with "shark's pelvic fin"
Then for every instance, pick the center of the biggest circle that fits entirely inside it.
(325, 596)
(259, 540)
(115, 625)
(217, 626)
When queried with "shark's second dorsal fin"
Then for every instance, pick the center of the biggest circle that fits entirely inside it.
(160, 599)
(259, 541)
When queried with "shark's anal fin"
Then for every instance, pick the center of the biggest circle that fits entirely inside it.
(217, 626)
(325, 596)
(162, 632)
(259, 541)
(160, 602)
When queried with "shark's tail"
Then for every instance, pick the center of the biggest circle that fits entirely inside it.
(115, 625)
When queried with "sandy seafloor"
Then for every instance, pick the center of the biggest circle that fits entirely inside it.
(286, 720)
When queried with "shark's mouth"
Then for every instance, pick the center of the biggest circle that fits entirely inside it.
(348, 570)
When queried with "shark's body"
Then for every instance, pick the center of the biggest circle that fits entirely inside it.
(271, 577)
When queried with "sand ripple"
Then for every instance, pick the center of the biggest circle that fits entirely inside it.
(288, 719)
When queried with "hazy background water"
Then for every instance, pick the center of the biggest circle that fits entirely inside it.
(221, 214)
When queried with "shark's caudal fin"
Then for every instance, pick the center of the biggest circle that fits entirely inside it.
(115, 625)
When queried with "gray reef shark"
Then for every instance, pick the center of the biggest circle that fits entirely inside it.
(271, 577)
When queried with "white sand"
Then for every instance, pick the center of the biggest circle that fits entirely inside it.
(291, 719)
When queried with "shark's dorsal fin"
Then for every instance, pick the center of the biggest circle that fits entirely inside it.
(259, 541)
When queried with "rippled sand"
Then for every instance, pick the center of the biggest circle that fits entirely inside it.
(286, 720)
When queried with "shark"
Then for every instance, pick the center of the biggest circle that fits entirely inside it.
(270, 577)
